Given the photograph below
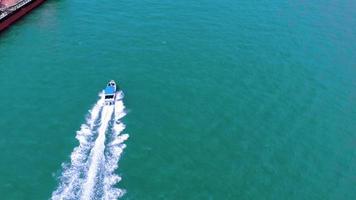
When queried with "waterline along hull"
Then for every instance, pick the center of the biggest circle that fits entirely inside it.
(15, 15)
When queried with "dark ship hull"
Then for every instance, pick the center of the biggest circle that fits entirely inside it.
(11, 14)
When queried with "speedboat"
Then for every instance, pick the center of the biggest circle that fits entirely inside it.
(110, 93)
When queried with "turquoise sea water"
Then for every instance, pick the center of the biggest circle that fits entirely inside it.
(226, 99)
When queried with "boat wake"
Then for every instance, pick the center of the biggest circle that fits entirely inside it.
(91, 172)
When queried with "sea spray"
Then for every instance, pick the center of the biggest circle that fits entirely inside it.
(114, 151)
(72, 175)
(97, 154)
(91, 173)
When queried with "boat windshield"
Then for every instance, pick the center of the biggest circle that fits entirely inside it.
(109, 96)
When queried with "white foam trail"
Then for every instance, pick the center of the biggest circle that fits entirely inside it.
(91, 174)
(70, 180)
(97, 154)
(115, 149)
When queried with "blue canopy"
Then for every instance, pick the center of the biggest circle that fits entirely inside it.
(109, 90)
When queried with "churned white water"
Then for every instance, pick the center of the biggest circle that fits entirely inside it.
(98, 154)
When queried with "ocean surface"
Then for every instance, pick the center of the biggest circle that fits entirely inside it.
(224, 99)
